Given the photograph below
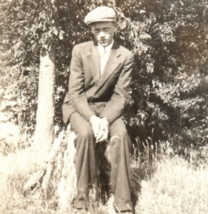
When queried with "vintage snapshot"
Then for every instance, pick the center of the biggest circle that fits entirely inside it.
(103, 106)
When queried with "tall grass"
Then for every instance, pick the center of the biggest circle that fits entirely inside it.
(169, 185)
(177, 187)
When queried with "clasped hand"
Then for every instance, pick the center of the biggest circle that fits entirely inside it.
(100, 127)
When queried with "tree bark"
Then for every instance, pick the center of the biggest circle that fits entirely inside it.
(44, 131)
(57, 178)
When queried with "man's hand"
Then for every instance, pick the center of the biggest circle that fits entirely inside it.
(100, 127)
(104, 130)
(95, 123)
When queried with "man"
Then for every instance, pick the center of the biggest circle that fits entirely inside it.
(98, 93)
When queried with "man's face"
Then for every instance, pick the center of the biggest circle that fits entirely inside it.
(104, 32)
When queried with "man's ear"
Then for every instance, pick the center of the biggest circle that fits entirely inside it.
(116, 27)
(90, 26)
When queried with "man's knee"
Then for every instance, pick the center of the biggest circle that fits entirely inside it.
(119, 138)
(120, 133)
(85, 133)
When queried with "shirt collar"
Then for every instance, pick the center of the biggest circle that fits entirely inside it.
(108, 48)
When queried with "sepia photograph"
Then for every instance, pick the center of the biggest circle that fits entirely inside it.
(103, 107)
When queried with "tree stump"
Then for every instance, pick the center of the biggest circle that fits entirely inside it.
(58, 177)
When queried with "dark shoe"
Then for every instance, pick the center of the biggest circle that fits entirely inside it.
(79, 211)
(125, 212)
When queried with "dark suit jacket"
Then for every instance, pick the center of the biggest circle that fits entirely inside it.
(87, 86)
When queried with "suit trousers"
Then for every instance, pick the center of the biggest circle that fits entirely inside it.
(118, 155)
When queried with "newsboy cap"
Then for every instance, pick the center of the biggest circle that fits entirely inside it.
(100, 14)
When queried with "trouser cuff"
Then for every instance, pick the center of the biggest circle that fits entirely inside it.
(123, 207)
(80, 204)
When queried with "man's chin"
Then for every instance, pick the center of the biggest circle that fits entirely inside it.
(104, 44)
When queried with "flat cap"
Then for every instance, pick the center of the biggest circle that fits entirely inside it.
(100, 14)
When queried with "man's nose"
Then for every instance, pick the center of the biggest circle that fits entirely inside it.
(102, 34)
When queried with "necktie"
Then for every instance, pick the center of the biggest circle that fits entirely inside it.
(102, 60)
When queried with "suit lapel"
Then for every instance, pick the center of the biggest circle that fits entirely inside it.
(111, 64)
(94, 61)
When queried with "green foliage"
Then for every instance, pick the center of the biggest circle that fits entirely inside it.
(170, 43)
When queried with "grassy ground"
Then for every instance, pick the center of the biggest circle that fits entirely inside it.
(175, 187)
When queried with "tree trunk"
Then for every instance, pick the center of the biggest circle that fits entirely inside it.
(44, 131)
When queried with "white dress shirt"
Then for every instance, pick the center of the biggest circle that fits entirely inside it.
(104, 55)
